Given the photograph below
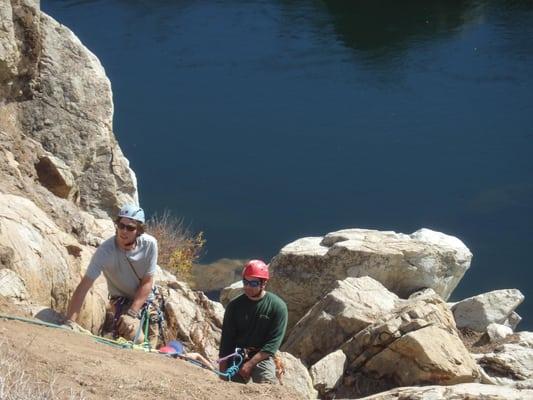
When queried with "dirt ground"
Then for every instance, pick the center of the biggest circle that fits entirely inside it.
(80, 367)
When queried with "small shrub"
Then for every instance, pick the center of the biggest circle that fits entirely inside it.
(178, 247)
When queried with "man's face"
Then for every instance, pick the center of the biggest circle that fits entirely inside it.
(126, 233)
(252, 286)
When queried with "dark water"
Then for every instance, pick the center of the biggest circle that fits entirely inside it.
(264, 121)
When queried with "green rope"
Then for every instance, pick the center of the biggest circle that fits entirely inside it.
(146, 326)
(123, 344)
(34, 321)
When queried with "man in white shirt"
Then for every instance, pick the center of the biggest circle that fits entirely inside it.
(128, 261)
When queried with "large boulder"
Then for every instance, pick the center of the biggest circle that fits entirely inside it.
(497, 332)
(63, 173)
(56, 120)
(327, 372)
(296, 376)
(190, 316)
(415, 345)
(306, 269)
(480, 311)
(47, 260)
(71, 115)
(465, 391)
(351, 306)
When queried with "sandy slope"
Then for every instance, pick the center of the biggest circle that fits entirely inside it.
(77, 363)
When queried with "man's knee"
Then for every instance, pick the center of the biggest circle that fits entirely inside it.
(264, 372)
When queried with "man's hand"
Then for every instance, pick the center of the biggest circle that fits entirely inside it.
(246, 370)
(128, 326)
(222, 367)
(73, 326)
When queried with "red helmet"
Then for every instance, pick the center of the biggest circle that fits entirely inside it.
(256, 269)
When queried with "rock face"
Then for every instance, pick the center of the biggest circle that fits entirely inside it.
(71, 116)
(480, 311)
(63, 173)
(306, 269)
(44, 258)
(351, 306)
(191, 317)
(417, 344)
(56, 119)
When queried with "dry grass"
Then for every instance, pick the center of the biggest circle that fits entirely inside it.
(178, 247)
(18, 384)
(479, 342)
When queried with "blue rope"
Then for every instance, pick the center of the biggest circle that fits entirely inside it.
(232, 370)
(32, 321)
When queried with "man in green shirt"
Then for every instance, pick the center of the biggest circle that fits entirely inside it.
(255, 321)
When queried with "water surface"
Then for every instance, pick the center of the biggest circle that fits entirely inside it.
(261, 122)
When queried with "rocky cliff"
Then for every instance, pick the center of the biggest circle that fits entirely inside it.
(64, 176)
(63, 172)
(367, 308)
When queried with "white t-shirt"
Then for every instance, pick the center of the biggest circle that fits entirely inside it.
(113, 262)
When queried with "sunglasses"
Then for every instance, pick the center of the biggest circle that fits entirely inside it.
(253, 284)
(129, 228)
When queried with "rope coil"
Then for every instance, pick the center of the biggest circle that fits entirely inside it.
(232, 370)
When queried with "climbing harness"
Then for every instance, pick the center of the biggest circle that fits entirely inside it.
(152, 312)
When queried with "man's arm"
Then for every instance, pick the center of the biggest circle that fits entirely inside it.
(78, 298)
(142, 293)
(278, 326)
(248, 366)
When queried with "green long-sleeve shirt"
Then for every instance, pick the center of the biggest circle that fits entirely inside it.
(249, 323)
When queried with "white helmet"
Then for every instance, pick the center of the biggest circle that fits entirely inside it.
(133, 212)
